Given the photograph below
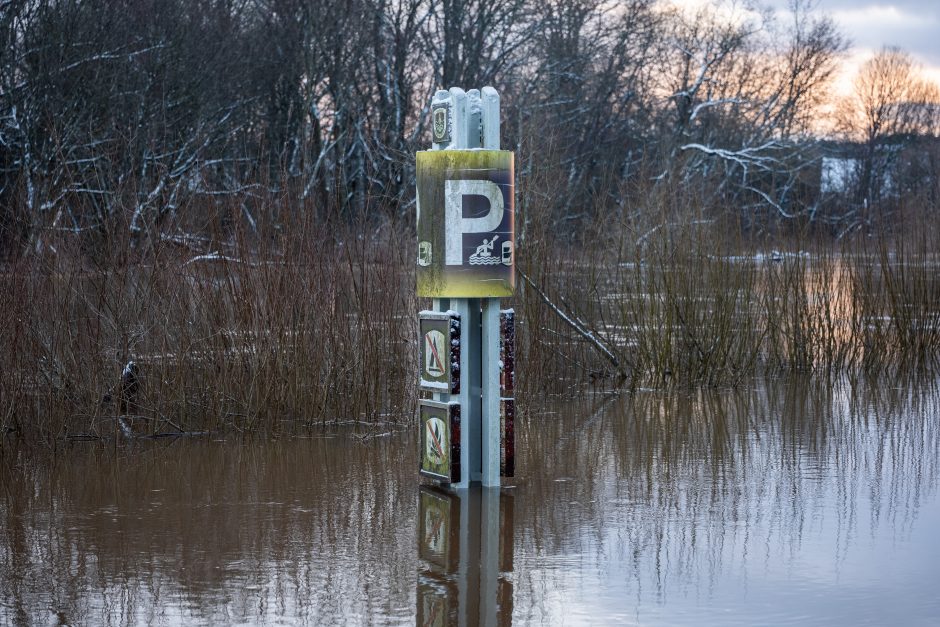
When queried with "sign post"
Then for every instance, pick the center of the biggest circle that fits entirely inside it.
(466, 263)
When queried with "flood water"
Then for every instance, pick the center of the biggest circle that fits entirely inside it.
(796, 502)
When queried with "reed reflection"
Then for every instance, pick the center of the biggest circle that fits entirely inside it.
(465, 550)
(659, 507)
(660, 496)
(210, 533)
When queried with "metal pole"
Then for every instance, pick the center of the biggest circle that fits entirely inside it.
(490, 335)
(472, 122)
(469, 396)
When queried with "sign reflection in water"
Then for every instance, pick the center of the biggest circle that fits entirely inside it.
(465, 546)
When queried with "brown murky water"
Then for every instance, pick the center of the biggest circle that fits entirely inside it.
(796, 502)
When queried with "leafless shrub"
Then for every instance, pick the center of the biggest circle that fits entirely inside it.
(313, 326)
(685, 303)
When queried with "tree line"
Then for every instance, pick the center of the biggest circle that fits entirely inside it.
(145, 115)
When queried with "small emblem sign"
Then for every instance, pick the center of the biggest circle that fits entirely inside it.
(440, 117)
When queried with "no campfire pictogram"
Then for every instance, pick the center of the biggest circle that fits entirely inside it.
(440, 423)
(435, 428)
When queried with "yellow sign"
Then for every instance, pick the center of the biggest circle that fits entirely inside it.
(466, 206)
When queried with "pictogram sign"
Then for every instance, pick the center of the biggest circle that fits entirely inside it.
(466, 245)
(440, 440)
(440, 351)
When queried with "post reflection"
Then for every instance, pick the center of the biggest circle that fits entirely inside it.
(465, 551)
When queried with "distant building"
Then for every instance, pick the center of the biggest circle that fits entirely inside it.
(838, 174)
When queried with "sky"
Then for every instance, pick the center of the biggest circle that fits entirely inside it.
(869, 26)
(912, 25)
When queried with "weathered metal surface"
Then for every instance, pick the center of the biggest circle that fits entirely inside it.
(469, 397)
(507, 351)
(491, 432)
(507, 445)
(507, 405)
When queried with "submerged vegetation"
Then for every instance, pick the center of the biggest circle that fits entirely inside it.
(690, 308)
(309, 326)
(307, 322)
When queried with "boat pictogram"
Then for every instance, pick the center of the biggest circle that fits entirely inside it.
(484, 254)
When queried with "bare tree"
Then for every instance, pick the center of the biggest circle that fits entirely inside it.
(584, 95)
(742, 94)
(891, 104)
(151, 115)
(472, 42)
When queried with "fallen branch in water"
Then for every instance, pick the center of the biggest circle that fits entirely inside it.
(579, 327)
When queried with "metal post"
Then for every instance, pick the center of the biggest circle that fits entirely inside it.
(490, 130)
(472, 122)
(477, 372)
(474, 119)
(458, 112)
(469, 325)
(490, 340)
(440, 304)
(490, 393)
(469, 396)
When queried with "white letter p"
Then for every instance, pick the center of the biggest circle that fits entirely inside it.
(456, 225)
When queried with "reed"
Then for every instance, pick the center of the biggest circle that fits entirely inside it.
(245, 332)
(687, 304)
(307, 319)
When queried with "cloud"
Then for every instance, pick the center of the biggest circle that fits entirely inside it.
(912, 25)
(876, 26)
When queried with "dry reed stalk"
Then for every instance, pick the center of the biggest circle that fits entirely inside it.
(304, 319)
(685, 303)
(312, 327)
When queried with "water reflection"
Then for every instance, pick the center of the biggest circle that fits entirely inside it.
(465, 548)
(797, 500)
(796, 496)
(210, 533)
